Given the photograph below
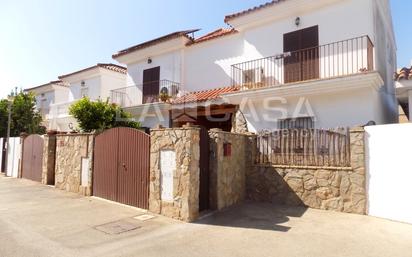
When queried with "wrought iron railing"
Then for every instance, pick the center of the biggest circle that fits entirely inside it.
(336, 59)
(150, 92)
(304, 147)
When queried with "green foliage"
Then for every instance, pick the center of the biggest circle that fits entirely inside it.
(24, 117)
(100, 115)
(3, 117)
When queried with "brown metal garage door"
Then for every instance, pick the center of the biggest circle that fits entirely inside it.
(32, 160)
(121, 166)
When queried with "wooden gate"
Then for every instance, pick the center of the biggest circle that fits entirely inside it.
(121, 166)
(204, 170)
(32, 159)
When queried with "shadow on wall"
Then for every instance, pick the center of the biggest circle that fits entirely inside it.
(251, 215)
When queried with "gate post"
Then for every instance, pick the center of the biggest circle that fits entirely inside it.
(175, 172)
(49, 158)
(23, 136)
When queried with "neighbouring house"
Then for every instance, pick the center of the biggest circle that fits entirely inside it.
(95, 82)
(47, 95)
(403, 78)
(284, 64)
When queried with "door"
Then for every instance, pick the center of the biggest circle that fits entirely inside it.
(32, 160)
(204, 170)
(303, 62)
(121, 166)
(151, 85)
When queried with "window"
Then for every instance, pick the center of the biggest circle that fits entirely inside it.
(297, 123)
(84, 90)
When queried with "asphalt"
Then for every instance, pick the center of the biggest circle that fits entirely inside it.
(40, 221)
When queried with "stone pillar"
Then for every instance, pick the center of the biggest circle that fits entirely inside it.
(185, 143)
(49, 158)
(357, 201)
(23, 136)
(227, 171)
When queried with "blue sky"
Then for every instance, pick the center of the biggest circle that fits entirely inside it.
(41, 39)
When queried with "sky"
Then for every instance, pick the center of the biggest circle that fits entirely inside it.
(42, 39)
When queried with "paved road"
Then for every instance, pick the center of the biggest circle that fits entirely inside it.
(40, 221)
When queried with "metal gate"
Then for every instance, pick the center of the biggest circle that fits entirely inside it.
(204, 170)
(121, 166)
(32, 160)
(3, 154)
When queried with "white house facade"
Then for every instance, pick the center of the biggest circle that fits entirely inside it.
(47, 95)
(325, 63)
(94, 82)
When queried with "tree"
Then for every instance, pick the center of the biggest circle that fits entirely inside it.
(24, 116)
(100, 115)
(4, 111)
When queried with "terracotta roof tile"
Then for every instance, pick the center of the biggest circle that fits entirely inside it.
(56, 82)
(235, 15)
(205, 95)
(404, 73)
(215, 34)
(154, 41)
(108, 66)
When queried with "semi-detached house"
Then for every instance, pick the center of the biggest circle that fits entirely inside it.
(284, 64)
(95, 82)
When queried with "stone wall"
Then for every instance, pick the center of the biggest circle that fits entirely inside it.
(70, 150)
(239, 124)
(49, 157)
(227, 173)
(185, 143)
(339, 189)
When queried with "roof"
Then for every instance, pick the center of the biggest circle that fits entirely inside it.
(205, 95)
(250, 10)
(173, 35)
(404, 74)
(215, 34)
(55, 82)
(108, 66)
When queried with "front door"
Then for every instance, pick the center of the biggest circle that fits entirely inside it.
(151, 79)
(303, 62)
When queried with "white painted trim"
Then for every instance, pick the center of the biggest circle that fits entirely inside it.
(152, 51)
(278, 11)
(314, 87)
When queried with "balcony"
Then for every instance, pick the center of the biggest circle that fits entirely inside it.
(59, 110)
(343, 58)
(162, 91)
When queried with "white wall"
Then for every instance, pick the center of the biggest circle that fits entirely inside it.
(388, 162)
(346, 20)
(93, 85)
(208, 65)
(1, 153)
(61, 94)
(13, 157)
(346, 108)
(110, 81)
(170, 69)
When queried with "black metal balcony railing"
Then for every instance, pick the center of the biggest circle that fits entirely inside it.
(337, 59)
(149, 92)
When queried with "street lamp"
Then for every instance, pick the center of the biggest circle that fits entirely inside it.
(10, 100)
